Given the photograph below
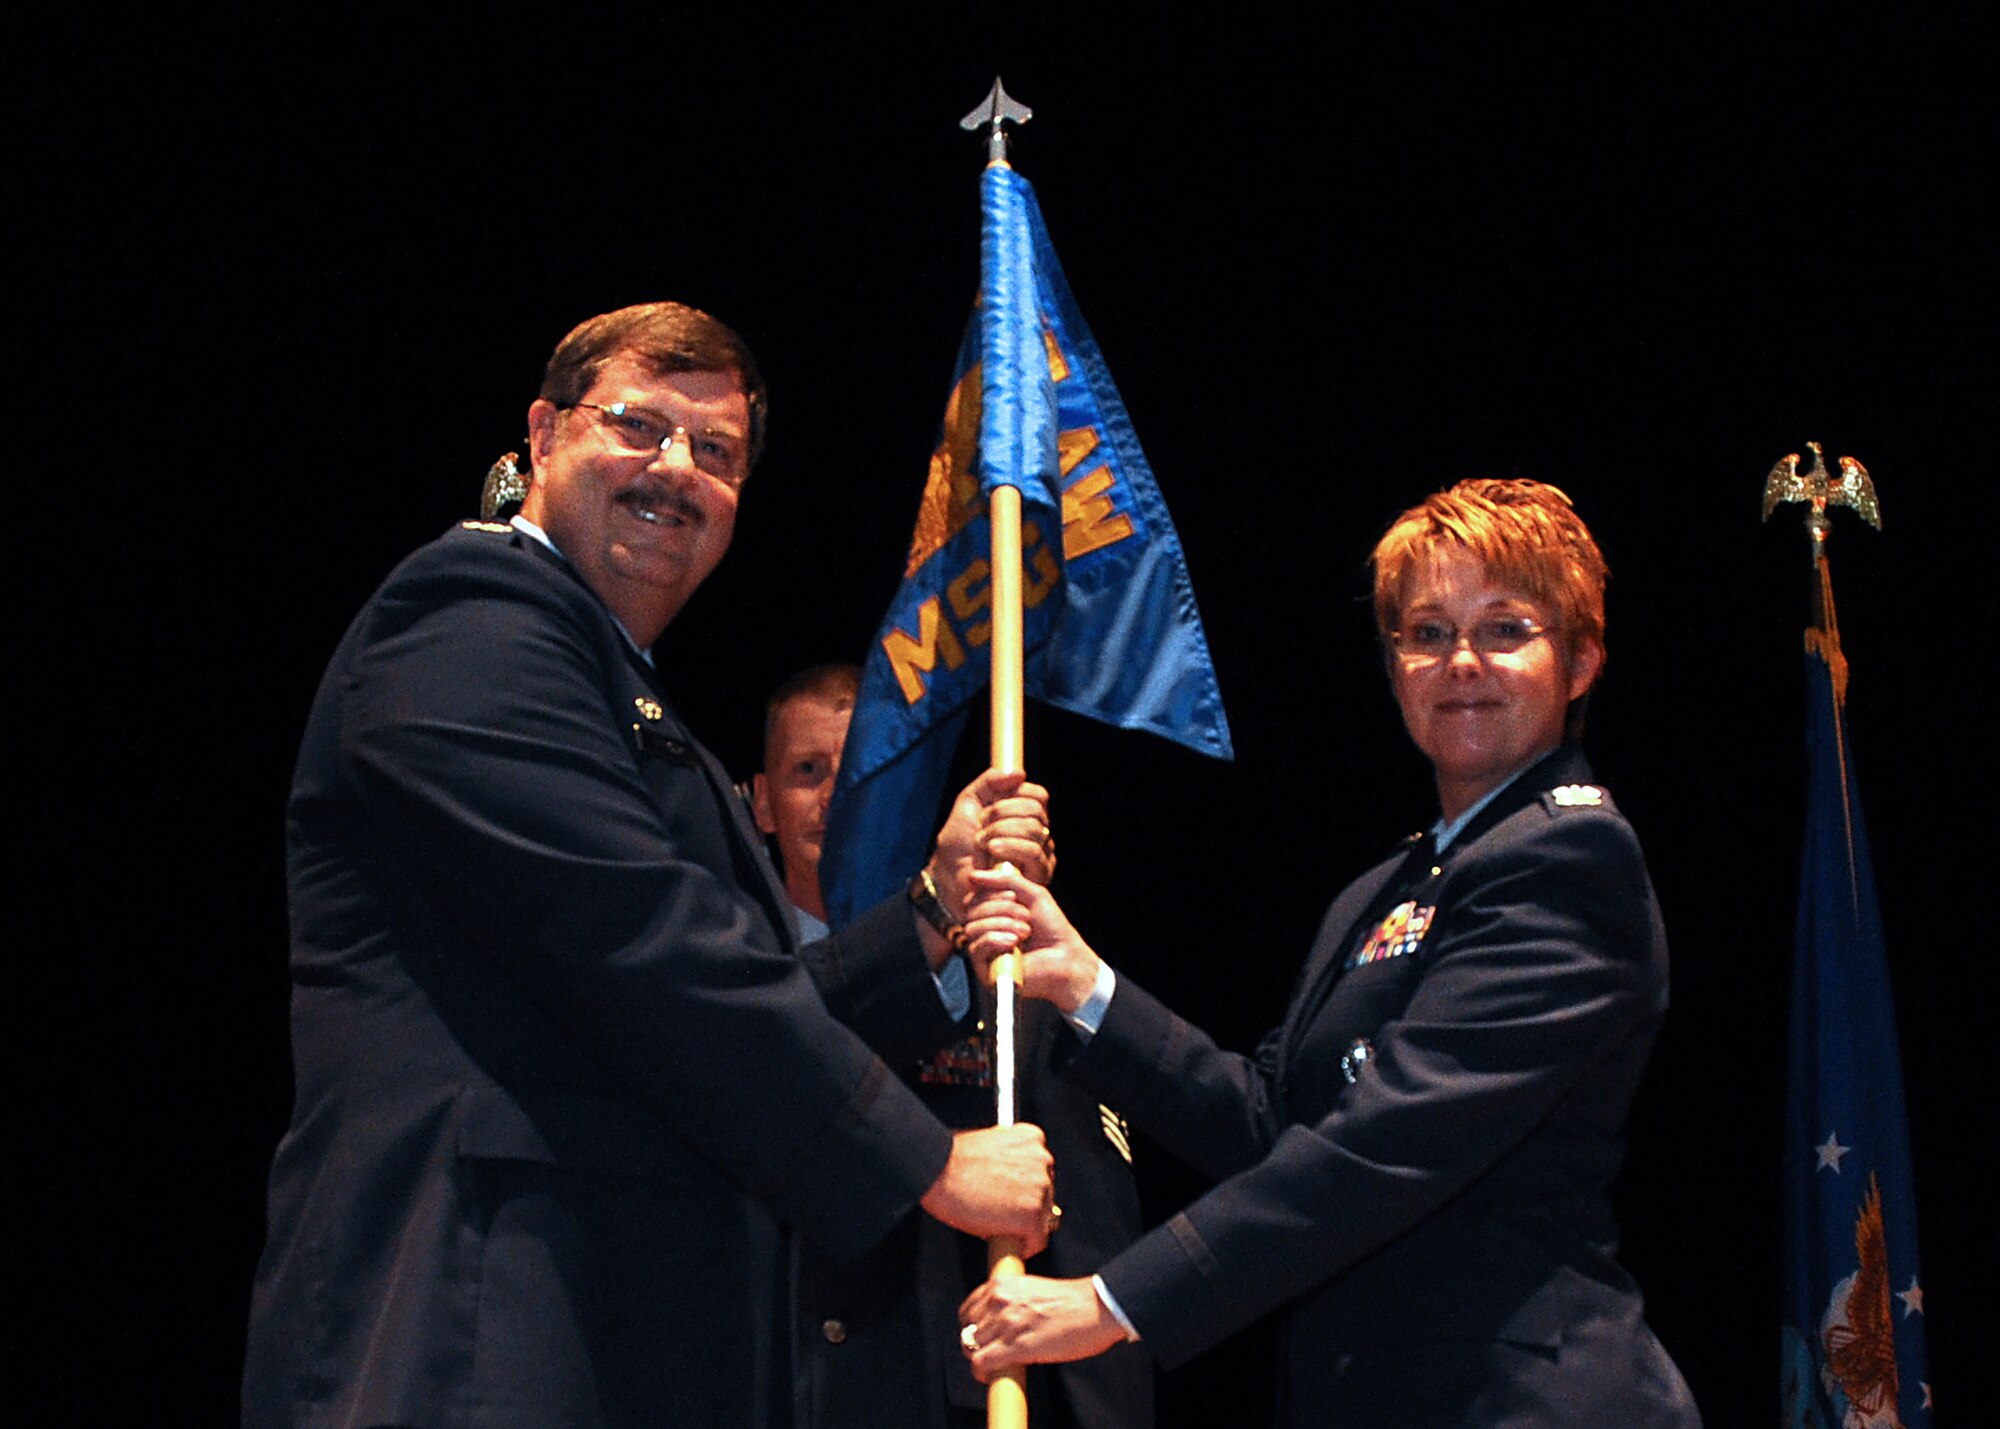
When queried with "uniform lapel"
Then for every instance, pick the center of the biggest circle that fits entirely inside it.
(1337, 934)
(755, 874)
(1364, 897)
(761, 878)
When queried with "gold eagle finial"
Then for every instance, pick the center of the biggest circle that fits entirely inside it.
(1851, 488)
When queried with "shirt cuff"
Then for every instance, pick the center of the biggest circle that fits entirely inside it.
(1104, 1294)
(1089, 1017)
(955, 989)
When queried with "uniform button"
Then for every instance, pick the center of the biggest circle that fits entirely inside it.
(834, 1330)
(1436, 871)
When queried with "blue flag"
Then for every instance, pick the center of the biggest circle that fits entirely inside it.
(1853, 1335)
(1110, 625)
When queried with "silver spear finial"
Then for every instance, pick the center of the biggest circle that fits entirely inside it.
(996, 109)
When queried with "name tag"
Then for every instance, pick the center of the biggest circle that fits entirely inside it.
(652, 741)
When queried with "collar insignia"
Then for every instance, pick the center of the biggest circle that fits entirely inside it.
(649, 708)
(1578, 796)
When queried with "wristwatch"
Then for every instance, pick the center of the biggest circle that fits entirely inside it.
(923, 895)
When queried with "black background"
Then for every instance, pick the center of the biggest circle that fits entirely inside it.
(289, 285)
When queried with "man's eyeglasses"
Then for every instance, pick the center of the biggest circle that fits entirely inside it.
(635, 431)
(1424, 642)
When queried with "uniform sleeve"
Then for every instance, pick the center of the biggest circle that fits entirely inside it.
(875, 978)
(1210, 1107)
(1541, 965)
(478, 733)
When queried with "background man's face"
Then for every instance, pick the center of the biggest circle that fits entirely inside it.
(801, 760)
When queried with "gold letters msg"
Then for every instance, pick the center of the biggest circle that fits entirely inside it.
(1090, 521)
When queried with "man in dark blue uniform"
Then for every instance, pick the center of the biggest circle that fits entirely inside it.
(877, 1334)
(564, 1088)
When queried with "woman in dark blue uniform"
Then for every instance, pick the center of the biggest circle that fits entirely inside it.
(1412, 1169)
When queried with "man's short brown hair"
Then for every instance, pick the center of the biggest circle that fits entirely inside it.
(667, 337)
(837, 684)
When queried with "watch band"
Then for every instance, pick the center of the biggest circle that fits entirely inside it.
(923, 894)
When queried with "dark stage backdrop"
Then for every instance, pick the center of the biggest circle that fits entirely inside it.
(290, 286)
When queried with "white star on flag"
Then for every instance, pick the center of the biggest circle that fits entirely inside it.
(1913, 1299)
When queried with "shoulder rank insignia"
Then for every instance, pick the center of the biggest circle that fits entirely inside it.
(1395, 935)
(1578, 796)
(496, 528)
(649, 708)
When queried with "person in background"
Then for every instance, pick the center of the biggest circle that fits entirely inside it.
(877, 1333)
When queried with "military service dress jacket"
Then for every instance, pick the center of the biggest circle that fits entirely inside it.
(1413, 1167)
(560, 1071)
(878, 1334)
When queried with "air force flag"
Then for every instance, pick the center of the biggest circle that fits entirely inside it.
(1853, 1336)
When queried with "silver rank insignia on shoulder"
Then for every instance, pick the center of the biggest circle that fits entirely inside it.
(493, 528)
(649, 708)
(1355, 1058)
(1578, 796)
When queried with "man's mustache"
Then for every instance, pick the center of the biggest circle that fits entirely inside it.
(658, 500)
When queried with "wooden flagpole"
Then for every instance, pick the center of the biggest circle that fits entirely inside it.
(1007, 1396)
